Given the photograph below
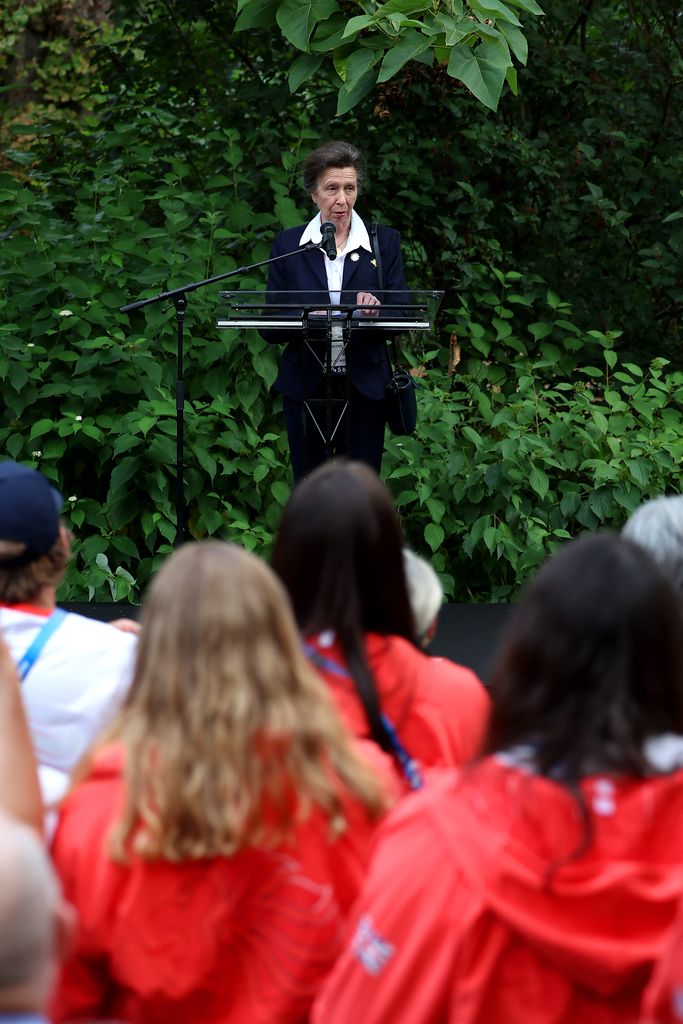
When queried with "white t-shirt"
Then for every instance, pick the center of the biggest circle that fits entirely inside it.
(73, 690)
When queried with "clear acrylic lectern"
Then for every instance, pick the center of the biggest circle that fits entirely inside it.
(327, 333)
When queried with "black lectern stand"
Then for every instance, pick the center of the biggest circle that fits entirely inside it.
(327, 334)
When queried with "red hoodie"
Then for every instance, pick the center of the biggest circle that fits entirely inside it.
(476, 909)
(227, 940)
(663, 1001)
(439, 709)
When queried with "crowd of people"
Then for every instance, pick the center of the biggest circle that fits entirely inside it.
(268, 803)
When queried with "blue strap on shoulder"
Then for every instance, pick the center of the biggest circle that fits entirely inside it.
(28, 659)
(409, 766)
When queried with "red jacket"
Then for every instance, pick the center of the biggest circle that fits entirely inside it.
(439, 709)
(475, 912)
(239, 940)
(663, 1001)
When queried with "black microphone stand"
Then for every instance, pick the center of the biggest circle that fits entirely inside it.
(177, 297)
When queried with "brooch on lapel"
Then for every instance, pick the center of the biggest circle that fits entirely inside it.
(354, 256)
(373, 262)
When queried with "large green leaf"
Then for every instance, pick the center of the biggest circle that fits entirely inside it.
(329, 34)
(303, 68)
(516, 41)
(408, 47)
(349, 97)
(298, 18)
(401, 7)
(495, 9)
(357, 66)
(399, 22)
(482, 69)
(454, 29)
(357, 24)
(434, 535)
(527, 5)
(255, 14)
(123, 471)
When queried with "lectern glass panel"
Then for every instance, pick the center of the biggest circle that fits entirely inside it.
(398, 311)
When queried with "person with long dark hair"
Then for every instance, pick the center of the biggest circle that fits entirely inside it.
(339, 553)
(537, 885)
(219, 836)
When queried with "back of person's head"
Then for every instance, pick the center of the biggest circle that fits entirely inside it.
(425, 593)
(591, 664)
(30, 906)
(339, 552)
(225, 715)
(34, 550)
(658, 526)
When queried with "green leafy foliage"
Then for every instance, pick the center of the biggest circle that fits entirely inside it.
(475, 41)
(531, 444)
(553, 226)
(89, 393)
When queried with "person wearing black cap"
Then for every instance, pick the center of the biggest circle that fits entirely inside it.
(363, 264)
(29, 515)
(74, 671)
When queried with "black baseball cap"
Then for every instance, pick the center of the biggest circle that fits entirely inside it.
(29, 512)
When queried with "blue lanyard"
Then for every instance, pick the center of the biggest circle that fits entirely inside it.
(22, 1018)
(27, 661)
(409, 766)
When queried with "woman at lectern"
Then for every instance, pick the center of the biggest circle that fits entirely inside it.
(348, 263)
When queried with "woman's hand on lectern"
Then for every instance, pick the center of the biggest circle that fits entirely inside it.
(368, 299)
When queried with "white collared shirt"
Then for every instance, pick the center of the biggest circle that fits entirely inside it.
(334, 271)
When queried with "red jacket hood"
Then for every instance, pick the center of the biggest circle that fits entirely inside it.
(598, 916)
(396, 688)
(438, 708)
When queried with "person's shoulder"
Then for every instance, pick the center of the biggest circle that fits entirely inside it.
(98, 634)
(460, 697)
(440, 671)
(450, 673)
(420, 819)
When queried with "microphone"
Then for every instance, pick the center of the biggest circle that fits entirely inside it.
(328, 231)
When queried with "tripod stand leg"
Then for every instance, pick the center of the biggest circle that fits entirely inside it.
(180, 303)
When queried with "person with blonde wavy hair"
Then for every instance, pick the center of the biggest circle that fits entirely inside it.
(221, 831)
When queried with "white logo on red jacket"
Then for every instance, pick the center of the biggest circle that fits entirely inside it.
(368, 946)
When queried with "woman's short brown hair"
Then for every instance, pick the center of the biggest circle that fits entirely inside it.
(332, 154)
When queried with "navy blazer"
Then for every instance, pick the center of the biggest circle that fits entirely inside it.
(366, 356)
